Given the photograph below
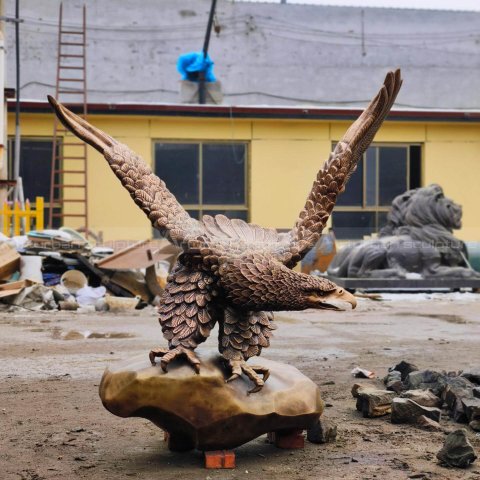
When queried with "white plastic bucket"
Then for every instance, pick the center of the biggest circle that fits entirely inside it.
(73, 281)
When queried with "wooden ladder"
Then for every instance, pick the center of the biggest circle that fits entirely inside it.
(68, 184)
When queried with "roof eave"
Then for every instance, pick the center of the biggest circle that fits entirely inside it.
(249, 111)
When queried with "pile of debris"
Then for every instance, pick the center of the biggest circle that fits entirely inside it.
(418, 397)
(60, 269)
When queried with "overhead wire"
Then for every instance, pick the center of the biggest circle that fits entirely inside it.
(274, 27)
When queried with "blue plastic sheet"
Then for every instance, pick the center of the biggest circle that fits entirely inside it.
(190, 64)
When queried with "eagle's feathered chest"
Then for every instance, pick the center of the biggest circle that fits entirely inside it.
(257, 282)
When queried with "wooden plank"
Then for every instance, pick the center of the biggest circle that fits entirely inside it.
(9, 260)
(12, 288)
(140, 255)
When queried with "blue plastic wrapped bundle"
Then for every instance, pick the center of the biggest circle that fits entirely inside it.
(191, 64)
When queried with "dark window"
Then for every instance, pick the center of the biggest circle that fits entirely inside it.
(353, 195)
(353, 224)
(177, 165)
(392, 174)
(223, 174)
(415, 166)
(35, 170)
(384, 172)
(206, 178)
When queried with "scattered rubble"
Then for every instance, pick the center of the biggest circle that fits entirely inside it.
(416, 397)
(457, 450)
(405, 410)
(61, 270)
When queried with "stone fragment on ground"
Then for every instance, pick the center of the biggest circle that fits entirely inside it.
(456, 391)
(323, 431)
(428, 424)
(471, 407)
(426, 398)
(393, 381)
(373, 402)
(473, 375)
(475, 425)
(425, 380)
(405, 410)
(457, 451)
(404, 368)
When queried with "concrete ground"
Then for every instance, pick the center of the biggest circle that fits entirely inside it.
(53, 425)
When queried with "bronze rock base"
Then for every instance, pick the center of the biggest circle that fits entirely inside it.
(202, 411)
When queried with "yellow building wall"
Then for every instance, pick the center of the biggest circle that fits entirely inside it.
(452, 159)
(285, 156)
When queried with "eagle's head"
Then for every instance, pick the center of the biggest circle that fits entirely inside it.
(260, 282)
(320, 293)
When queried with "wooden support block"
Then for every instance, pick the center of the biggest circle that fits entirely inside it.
(219, 459)
(287, 439)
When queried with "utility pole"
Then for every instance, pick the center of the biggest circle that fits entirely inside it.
(201, 76)
(18, 192)
(18, 196)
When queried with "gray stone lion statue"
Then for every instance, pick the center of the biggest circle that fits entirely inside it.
(417, 242)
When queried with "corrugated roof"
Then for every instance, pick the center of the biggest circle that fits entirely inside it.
(265, 54)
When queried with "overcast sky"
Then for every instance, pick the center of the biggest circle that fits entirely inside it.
(473, 5)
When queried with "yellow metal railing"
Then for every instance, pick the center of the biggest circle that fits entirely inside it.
(12, 217)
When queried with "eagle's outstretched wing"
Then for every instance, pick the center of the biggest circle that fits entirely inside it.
(331, 179)
(146, 189)
(215, 236)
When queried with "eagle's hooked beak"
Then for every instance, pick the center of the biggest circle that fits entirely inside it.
(321, 301)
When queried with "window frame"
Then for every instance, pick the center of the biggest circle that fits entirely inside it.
(201, 207)
(34, 138)
(379, 208)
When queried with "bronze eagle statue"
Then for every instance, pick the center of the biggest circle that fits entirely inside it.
(231, 272)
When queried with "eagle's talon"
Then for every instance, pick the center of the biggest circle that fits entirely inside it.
(252, 372)
(156, 352)
(168, 355)
(255, 389)
(233, 377)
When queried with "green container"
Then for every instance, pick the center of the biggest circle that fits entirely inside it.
(473, 251)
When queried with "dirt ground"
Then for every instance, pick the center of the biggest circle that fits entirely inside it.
(53, 425)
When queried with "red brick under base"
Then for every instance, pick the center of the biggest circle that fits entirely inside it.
(288, 439)
(219, 459)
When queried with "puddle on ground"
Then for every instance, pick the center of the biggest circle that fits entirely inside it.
(438, 316)
(58, 334)
(111, 335)
(281, 319)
